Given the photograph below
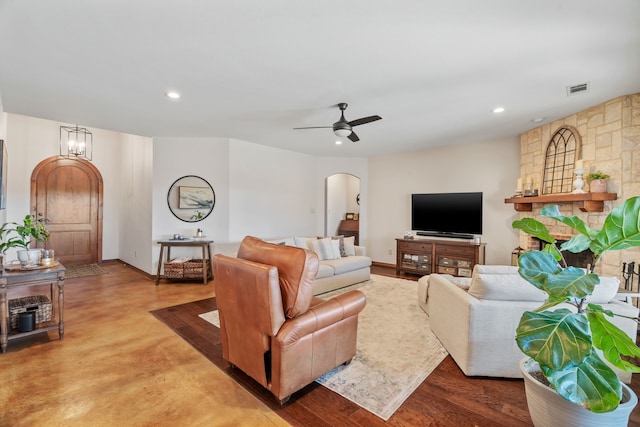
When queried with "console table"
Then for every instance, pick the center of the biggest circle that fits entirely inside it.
(206, 254)
(24, 278)
(427, 256)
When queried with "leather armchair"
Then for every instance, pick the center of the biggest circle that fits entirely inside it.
(271, 325)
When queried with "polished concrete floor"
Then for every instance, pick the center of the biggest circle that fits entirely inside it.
(119, 365)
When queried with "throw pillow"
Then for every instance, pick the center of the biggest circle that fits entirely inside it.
(340, 240)
(336, 248)
(323, 248)
(504, 287)
(349, 246)
(303, 242)
(605, 291)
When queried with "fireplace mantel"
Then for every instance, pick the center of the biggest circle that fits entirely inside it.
(589, 202)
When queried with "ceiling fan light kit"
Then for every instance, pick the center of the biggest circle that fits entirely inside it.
(344, 128)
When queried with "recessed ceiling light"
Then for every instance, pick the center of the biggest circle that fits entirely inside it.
(173, 94)
(498, 110)
(537, 119)
(338, 142)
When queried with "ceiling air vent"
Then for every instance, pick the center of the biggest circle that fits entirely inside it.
(580, 88)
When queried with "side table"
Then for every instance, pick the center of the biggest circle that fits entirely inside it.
(206, 254)
(19, 278)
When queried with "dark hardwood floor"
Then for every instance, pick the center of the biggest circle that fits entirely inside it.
(446, 398)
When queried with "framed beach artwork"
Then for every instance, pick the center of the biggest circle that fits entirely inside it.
(191, 198)
(195, 197)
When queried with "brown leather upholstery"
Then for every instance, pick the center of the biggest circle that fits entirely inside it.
(272, 327)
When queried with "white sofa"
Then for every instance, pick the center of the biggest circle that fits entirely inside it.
(333, 274)
(475, 319)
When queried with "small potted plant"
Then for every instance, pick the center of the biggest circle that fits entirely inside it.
(598, 182)
(568, 345)
(19, 236)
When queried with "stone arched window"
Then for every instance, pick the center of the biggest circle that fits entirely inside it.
(559, 162)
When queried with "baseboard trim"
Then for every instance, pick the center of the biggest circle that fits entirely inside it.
(144, 273)
(382, 264)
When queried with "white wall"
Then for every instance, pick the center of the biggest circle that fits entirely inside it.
(261, 190)
(136, 202)
(31, 140)
(273, 192)
(174, 158)
(490, 167)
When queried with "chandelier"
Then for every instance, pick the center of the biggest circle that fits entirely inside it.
(76, 142)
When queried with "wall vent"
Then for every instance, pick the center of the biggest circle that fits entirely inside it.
(579, 88)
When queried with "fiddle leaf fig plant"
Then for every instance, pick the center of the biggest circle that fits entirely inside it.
(16, 235)
(564, 341)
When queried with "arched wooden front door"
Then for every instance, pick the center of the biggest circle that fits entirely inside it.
(68, 193)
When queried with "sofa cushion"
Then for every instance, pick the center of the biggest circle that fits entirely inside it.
(495, 269)
(504, 287)
(324, 270)
(350, 263)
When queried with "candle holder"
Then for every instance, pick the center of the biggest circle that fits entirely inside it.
(578, 183)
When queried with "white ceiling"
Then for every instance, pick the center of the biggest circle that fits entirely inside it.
(255, 69)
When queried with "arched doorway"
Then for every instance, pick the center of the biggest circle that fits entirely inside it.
(68, 192)
(342, 196)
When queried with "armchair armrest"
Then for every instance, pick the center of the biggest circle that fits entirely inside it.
(322, 315)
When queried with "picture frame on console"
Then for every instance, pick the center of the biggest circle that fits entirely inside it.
(349, 215)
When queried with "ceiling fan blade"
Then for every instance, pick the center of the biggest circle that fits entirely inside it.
(315, 127)
(353, 137)
(364, 120)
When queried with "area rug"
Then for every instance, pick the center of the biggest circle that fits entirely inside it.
(83, 270)
(396, 349)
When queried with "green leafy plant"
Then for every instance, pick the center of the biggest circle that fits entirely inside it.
(16, 235)
(597, 175)
(562, 341)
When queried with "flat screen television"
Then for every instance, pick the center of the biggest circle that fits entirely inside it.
(447, 214)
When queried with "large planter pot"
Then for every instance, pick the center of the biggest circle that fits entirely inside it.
(29, 256)
(547, 408)
(598, 186)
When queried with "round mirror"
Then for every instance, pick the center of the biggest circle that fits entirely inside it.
(191, 198)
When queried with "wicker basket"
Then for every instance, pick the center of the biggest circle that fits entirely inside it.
(186, 270)
(38, 303)
(174, 270)
(193, 269)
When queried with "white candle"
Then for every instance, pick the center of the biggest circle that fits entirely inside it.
(519, 187)
(580, 164)
(529, 179)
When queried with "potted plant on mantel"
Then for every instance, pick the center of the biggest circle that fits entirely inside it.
(19, 236)
(597, 182)
(563, 342)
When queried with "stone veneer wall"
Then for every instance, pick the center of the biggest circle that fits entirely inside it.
(610, 134)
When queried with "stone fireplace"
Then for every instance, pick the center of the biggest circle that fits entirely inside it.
(582, 259)
(610, 142)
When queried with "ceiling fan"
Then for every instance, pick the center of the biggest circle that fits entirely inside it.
(344, 128)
